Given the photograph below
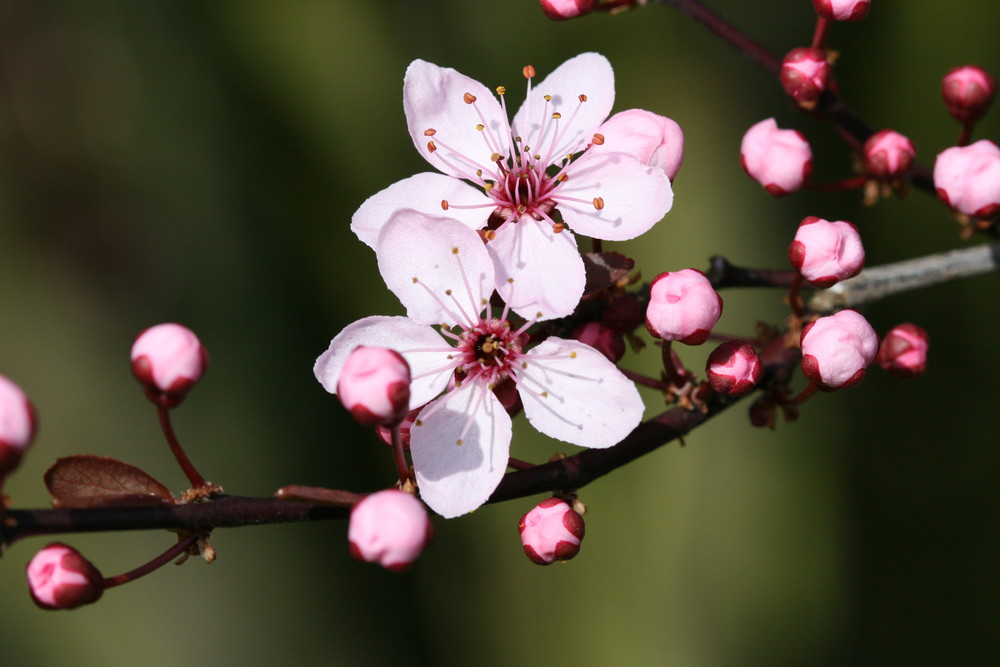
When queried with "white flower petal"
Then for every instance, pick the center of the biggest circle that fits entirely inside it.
(457, 478)
(434, 99)
(437, 267)
(539, 273)
(571, 392)
(587, 74)
(423, 348)
(634, 196)
(422, 192)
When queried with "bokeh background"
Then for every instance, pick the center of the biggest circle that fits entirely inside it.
(200, 161)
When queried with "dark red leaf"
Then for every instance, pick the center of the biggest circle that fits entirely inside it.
(604, 269)
(98, 481)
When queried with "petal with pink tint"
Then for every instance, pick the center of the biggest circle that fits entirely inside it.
(423, 348)
(538, 272)
(437, 267)
(655, 141)
(571, 392)
(422, 192)
(587, 74)
(434, 99)
(457, 478)
(621, 197)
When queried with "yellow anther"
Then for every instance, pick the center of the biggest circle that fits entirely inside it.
(454, 251)
(480, 127)
(556, 115)
(488, 186)
(547, 98)
(415, 281)
(418, 422)
(489, 235)
(599, 203)
(447, 292)
(528, 72)
(469, 98)
(459, 442)
(496, 157)
(510, 281)
(501, 90)
(572, 355)
(558, 227)
(545, 394)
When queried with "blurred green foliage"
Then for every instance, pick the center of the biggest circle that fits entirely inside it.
(199, 162)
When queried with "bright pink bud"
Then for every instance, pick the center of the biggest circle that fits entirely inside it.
(903, 354)
(168, 360)
(683, 306)
(967, 178)
(375, 386)
(780, 160)
(603, 339)
(842, 10)
(837, 349)
(567, 9)
(805, 74)
(889, 155)
(655, 141)
(968, 92)
(551, 531)
(390, 528)
(826, 252)
(734, 368)
(60, 578)
(17, 425)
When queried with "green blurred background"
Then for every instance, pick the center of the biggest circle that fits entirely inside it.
(199, 162)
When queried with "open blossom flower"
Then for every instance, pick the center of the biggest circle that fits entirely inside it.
(460, 442)
(524, 181)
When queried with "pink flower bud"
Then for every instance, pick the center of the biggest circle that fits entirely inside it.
(60, 578)
(168, 360)
(375, 386)
(390, 528)
(559, 10)
(683, 306)
(967, 178)
(551, 531)
(780, 160)
(837, 349)
(903, 354)
(734, 368)
(826, 252)
(17, 425)
(968, 92)
(805, 74)
(603, 339)
(655, 141)
(842, 10)
(889, 155)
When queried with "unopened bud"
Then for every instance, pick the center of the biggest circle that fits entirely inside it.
(683, 306)
(390, 528)
(837, 349)
(60, 578)
(967, 178)
(842, 10)
(889, 155)
(168, 360)
(551, 531)
(374, 386)
(826, 252)
(805, 74)
(903, 354)
(17, 426)
(603, 339)
(655, 141)
(968, 92)
(559, 10)
(734, 368)
(780, 160)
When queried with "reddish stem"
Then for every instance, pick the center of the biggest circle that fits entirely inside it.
(644, 380)
(197, 481)
(402, 467)
(518, 464)
(821, 33)
(810, 389)
(173, 552)
(318, 494)
(849, 183)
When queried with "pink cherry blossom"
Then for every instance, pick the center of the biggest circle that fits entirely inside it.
(683, 306)
(559, 10)
(655, 141)
(551, 531)
(837, 349)
(441, 272)
(903, 353)
(780, 160)
(805, 74)
(17, 425)
(60, 578)
(523, 182)
(733, 368)
(390, 528)
(826, 252)
(168, 360)
(889, 155)
(967, 178)
(375, 386)
(842, 10)
(968, 92)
